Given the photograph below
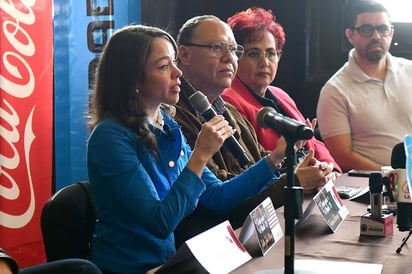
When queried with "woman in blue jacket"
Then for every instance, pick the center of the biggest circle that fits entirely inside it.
(145, 177)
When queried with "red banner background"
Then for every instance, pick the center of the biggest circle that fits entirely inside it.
(26, 117)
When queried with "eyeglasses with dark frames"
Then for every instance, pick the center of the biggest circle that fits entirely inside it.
(219, 50)
(256, 54)
(368, 30)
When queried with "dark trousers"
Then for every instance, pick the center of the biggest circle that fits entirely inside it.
(66, 266)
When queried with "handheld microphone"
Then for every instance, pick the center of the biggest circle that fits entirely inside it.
(267, 117)
(201, 104)
(375, 188)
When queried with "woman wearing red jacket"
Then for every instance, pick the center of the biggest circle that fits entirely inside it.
(263, 39)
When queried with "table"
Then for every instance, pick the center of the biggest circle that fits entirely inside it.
(315, 241)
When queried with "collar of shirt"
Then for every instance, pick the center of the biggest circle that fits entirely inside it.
(219, 105)
(269, 100)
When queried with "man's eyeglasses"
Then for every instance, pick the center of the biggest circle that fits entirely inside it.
(219, 50)
(368, 30)
(271, 55)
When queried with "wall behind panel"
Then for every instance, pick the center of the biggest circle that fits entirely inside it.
(81, 29)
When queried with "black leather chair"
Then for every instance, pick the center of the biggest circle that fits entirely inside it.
(67, 222)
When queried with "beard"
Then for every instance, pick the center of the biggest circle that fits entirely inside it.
(376, 53)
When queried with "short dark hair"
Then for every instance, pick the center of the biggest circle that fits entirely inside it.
(356, 7)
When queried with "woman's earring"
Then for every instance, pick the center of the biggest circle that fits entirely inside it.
(137, 90)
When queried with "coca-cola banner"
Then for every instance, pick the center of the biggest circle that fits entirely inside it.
(82, 28)
(27, 69)
(26, 119)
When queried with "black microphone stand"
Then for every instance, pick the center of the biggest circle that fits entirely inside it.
(293, 205)
(404, 221)
(404, 240)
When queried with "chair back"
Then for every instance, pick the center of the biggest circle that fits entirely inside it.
(67, 222)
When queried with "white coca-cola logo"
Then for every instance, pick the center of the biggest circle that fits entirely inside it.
(17, 80)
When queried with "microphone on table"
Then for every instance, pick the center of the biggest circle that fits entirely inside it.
(376, 222)
(201, 104)
(389, 193)
(398, 156)
(268, 117)
(391, 179)
(399, 184)
(375, 188)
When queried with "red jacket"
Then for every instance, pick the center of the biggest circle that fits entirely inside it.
(239, 96)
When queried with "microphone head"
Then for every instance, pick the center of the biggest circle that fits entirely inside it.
(375, 182)
(267, 117)
(305, 132)
(199, 102)
(398, 157)
(262, 114)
